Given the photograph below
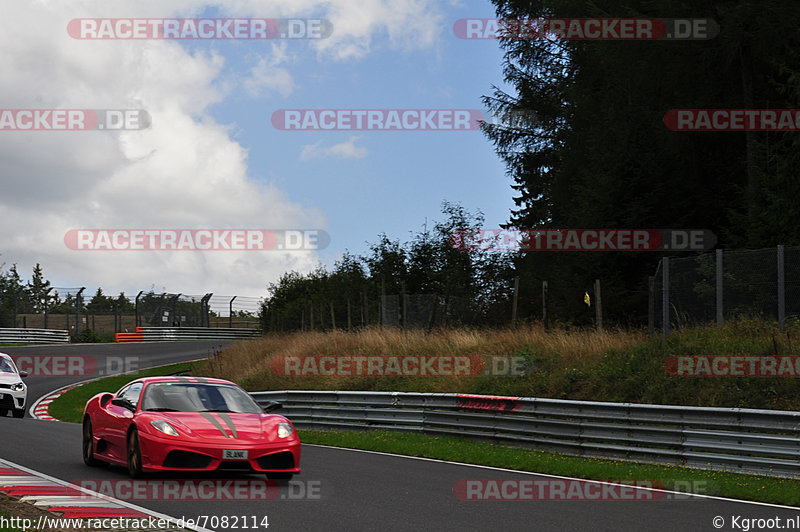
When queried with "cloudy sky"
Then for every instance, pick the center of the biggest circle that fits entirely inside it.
(212, 159)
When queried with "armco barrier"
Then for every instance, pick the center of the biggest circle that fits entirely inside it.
(33, 336)
(736, 439)
(162, 334)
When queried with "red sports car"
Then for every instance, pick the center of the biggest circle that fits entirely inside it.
(188, 424)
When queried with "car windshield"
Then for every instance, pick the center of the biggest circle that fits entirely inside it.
(197, 397)
(5, 366)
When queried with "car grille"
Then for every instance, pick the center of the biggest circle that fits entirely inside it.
(6, 386)
(284, 460)
(187, 460)
(7, 402)
(235, 466)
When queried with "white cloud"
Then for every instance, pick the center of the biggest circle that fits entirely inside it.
(268, 76)
(183, 172)
(344, 150)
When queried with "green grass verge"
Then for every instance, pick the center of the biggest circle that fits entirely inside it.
(719, 483)
(69, 406)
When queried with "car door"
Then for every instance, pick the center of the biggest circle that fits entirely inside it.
(119, 418)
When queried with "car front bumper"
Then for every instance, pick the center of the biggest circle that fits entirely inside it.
(12, 400)
(174, 454)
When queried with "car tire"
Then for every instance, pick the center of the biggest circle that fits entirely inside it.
(134, 454)
(3, 412)
(88, 444)
(280, 476)
(19, 414)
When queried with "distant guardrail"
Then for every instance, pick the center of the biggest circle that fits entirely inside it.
(744, 440)
(33, 336)
(161, 334)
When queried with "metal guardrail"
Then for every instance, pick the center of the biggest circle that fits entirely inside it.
(33, 336)
(161, 334)
(743, 440)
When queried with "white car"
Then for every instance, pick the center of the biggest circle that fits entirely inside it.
(13, 392)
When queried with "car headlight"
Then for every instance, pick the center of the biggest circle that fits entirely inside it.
(162, 426)
(19, 387)
(285, 430)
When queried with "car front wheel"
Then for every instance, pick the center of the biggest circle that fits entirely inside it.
(134, 455)
(88, 444)
(19, 414)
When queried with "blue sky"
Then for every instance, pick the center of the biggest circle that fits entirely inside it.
(212, 158)
(406, 175)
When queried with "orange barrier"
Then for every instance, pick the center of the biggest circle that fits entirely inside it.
(130, 337)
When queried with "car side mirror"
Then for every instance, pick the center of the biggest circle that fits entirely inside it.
(271, 406)
(123, 403)
(105, 399)
(23, 374)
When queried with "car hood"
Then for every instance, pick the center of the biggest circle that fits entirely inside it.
(223, 426)
(9, 378)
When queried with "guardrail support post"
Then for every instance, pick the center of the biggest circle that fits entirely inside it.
(230, 312)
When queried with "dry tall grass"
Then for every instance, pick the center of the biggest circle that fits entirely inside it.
(248, 363)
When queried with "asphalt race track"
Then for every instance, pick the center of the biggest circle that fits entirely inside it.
(355, 490)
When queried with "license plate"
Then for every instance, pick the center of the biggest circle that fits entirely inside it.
(234, 455)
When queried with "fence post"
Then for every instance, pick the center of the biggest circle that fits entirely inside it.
(404, 304)
(381, 310)
(136, 309)
(46, 305)
(651, 305)
(781, 288)
(333, 316)
(206, 309)
(514, 304)
(719, 287)
(665, 296)
(598, 307)
(174, 314)
(364, 307)
(544, 306)
(78, 311)
(230, 312)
